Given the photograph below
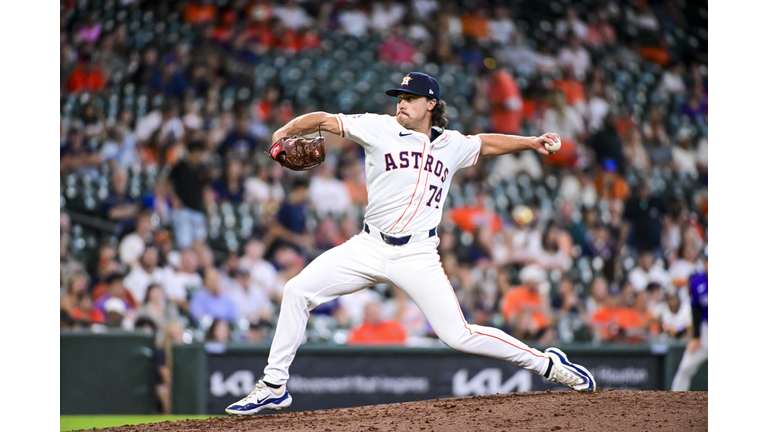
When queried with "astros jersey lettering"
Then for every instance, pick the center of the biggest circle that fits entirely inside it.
(407, 173)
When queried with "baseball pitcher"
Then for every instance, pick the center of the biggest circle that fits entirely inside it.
(410, 160)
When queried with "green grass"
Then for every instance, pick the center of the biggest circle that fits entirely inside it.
(72, 422)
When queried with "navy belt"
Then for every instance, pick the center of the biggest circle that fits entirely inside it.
(398, 241)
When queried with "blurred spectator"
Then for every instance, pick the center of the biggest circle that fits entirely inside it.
(259, 333)
(219, 331)
(599, 243)
(525, 313)
(170, 79)
(292, 15)
(505, 103)
(653, 127)
(646, 272)
(76, 154)
(185, 282)
(474, 24)
(672, 81)
(386, 15)
(519, 55)
(145, 274)
(263, 273)
(695, 106)
(119, 207)
(642, 18)
(597, 107)
(644, 213)
(608, 146)
(261, 187)
(570, 312)
(115, 313)
(574, 55)
(634, 151)
(94, 128)
(252, 302)
(600, 32)
(375, 330)
(84, 310)
(571, 24)
(610, 185)
(289, 228)
(598, 293)
(615, 322)
(676, 318)
(401, 308)
(353, 176)
(684, 266)
(327, 234)
(396, 50)
(87, 76)
(116, 290)
(683, 155)
(77, 284)
(231, 186)
(158, 133)
(327, 193)
(353, 20)
(475, 214)
(501, 26)
(211, 300)
(119, 150)
(132, 245)
(199, 12)
(239, 144)
(157, 309)
(553, 252)
(189, 180)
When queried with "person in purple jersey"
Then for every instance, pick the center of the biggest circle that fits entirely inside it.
(696, 353)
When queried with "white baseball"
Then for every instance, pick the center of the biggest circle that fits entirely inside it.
(552, 147)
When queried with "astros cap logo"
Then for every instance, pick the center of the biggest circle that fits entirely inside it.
(405, 80)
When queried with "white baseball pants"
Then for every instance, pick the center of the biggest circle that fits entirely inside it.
(691, 362)
(364, 261)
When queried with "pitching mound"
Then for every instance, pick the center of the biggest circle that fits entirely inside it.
(606, 410)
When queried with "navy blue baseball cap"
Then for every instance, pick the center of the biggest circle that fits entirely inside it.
(419, 84)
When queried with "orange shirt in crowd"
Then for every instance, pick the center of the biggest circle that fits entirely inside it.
(656, 55)
(572, 89)
(620, 189)
(469, 218)
(82, 80)
(387, 332)
(197, 13)
(623, 317)
(503, 88)
(474, 25)
(520, 299)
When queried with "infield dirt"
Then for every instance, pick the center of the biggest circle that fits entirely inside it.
(605, 410)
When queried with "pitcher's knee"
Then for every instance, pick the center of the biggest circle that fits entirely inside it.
(452, 339)
(294, 291)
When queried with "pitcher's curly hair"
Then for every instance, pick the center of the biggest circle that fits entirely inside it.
(438, 115)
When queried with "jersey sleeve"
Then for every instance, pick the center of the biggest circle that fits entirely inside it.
(468, 149)
(364, 129)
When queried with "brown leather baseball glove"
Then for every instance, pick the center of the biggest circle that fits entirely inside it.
(299, 153)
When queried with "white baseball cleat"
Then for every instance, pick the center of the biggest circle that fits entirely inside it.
(262, 397)
(568, 374)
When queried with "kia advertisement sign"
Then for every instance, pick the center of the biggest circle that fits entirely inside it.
(357, 378)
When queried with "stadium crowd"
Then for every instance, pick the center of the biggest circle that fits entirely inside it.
(174, 219)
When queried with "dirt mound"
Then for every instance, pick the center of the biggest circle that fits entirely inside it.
(606, 410)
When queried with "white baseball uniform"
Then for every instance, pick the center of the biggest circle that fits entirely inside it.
(407, 177)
